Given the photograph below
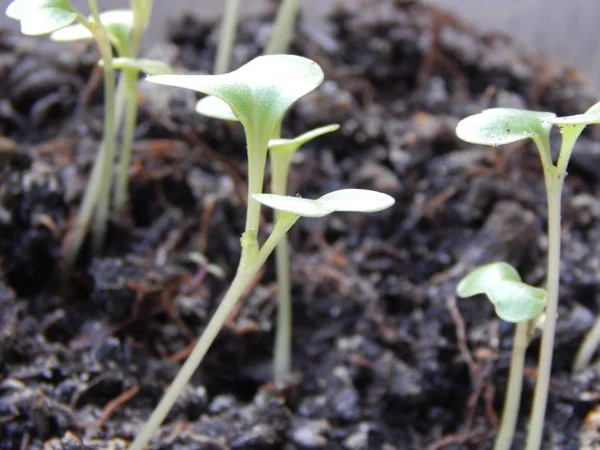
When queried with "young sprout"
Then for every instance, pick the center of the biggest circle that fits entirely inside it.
(516, 302)
(45, 16)
(259, 94)
(281, 153)
(125, 28)
(502, 126)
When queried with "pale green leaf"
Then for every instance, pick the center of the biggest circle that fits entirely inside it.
(260, 92)
(592, 115)
(118, 24)
(298, 141)
(149, 66)
(355, 200)
(479, 280)
(499, 126)
(39, 17)
(216, 108)
(516, 301)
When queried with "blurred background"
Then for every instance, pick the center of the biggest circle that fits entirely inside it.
(563, 31)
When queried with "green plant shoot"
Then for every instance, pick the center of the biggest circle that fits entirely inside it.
(45, 16)
(517, 302)
(502, 126)
(281, 153)
(259, 94)
(125, 28)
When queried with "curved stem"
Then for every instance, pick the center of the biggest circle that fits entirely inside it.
(512, 399)
(243, 278)
(588, 347)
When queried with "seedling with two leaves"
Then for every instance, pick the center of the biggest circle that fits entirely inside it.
(514, 300)
(257, 94)
(281, 154)
(123, 30)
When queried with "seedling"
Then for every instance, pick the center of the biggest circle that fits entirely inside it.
(282, 151)
(503, 126)
(259, 94)
(515, 302)
(122, 29)
(125, 28)
(39, 17)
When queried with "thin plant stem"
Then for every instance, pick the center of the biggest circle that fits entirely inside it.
(248, 268)
(510, 412)
(283, 30)
(554, 186)
(227, 36)
(554, 177)
(282, 361)
(97, 181)
(588, 347)
(257, 157)
(102, 206)
(129, 77)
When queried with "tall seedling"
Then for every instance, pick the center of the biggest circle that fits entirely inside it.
(40, 17)
(499, 126)
(258, 94)
(281, 153)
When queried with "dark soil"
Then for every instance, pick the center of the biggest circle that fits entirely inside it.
(385, 357)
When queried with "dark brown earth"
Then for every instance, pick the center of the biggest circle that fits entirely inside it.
(385, 357)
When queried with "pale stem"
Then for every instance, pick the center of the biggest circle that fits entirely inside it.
(283, 30)
(243, 278)
(554, 179)
(97, 178)
(128, 82)
(588, 347)
(257, 158)
(282, 361)
(108, 142)
(554, 184)
(512, 399)
(129, 78)
(227, 36)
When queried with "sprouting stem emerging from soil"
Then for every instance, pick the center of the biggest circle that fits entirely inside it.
(46, 16)
(258, 95)
(502, 126)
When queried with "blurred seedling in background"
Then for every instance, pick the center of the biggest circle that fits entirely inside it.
(123, 30)
(500, 126)
(258, 94)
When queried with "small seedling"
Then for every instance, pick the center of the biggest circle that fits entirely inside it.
(499, 126)
(39, 17)
(281, 153)
(122, 29)
(125, 29)
(515, 302)
(259, 94)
